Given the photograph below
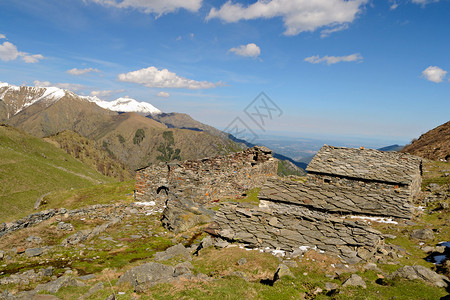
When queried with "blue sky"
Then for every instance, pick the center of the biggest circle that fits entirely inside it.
(371, 69)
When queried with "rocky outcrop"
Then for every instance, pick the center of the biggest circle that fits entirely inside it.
(147, 275)
(180, 215)
(288, 227)
(420, 273)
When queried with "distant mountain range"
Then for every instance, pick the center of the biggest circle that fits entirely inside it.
(129, 130)
(391, 148)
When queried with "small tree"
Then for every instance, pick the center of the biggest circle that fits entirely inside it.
(168, 153)
(139, 136)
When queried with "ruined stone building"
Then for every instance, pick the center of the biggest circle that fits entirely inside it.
(207, 179)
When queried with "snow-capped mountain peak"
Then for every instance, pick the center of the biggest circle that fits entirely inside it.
(28, 95)
(126, 104)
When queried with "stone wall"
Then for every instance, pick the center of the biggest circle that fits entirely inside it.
(208, 179)
(288, 227)
(347, 197)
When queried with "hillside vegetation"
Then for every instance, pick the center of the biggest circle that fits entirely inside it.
(91, 154)
(31, 167)
(434, 145)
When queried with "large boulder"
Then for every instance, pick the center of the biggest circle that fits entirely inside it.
(420, 273)
(182, 214)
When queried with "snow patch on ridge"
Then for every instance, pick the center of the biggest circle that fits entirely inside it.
(126, 104)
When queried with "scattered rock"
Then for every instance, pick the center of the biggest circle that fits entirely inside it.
(421, 273)
(331, 286)
(220, 243)
(427, 249)
(372, 267)
(34, 239)
(31, 252)
(422, 234)
(355, 280)
(97, 287)
(86, 277)
(147, 275)
(282, 271)
(64, 226)
(2, 254)
(242, 261)
(20, 250)
(55, 285)
(182, 214)
(183, 269)
(177, 250)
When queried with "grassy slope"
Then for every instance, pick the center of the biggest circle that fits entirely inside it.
(31, 167)
(108, 260)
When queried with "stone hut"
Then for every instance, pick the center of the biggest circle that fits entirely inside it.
(354, 181)
(207, 179)
(359, 168)
(340, 181)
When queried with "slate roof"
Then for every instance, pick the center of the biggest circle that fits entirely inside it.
(369, 164)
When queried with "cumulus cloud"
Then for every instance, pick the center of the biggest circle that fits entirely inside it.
(2, 36)
(66, 86)
(434, 74)
(155, 78)
(159, 7)
(250, 50)
(77, 72)
(8, 51)
(163, 94)
(298, 15)
(329, 60)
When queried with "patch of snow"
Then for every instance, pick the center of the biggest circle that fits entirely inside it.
(304, 248)
(282, 252)
(375, 219)
(126, 104)
(149, 203)
(3, 84)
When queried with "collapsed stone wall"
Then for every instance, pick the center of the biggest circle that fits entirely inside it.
(288, 227)
(347, 198)
(207, 179)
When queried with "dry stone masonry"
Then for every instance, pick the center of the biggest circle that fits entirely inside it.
(340, 181)
(208, 179)
(354, 181)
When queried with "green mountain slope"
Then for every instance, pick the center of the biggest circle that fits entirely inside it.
(31, 167)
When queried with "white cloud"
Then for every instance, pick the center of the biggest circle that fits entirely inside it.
(250, 50)
(2, 36)
(159, 7)
(329, 60)
(154, 78)
(326, 32)
(163, 94)
(66, 86)
(8, 51)
(434, 74)
(298, 15)
(77, 72)
(424, 2)
(30, 58)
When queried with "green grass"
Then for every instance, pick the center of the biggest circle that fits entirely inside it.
(31, 167)
(119, 192)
